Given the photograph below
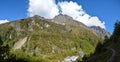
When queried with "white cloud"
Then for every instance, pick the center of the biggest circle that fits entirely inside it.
(71, 8)
(3, 21)
(49, 9)
(94, 21)
(74, 10)
(44, 8)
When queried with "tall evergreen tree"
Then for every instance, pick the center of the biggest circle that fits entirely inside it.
(116, 33)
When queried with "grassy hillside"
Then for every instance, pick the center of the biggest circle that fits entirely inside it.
(46, 41)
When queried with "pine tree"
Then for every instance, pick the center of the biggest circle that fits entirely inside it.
(116, 33)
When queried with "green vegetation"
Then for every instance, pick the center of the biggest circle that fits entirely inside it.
(4, 51)
(102, 54)
(116, 34)
(46, 41)
(115, 38)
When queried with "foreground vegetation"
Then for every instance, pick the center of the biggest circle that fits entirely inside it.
(102, 54)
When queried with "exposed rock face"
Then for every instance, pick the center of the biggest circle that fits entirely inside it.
(102, 33)
(37, 17)
(61, 19)
(20, 43)
(66, 20)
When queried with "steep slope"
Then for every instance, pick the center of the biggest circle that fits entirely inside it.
(48, 41)
(100, 32)
(69, 21)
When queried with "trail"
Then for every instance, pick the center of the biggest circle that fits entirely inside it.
(113, 54)
(111, 57)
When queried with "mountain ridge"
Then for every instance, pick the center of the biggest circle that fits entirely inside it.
(49, 41)
(65, 19)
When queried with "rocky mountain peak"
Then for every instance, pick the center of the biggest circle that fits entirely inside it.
(36, 17)
(62, 19)
(100, 31)
(67, 20)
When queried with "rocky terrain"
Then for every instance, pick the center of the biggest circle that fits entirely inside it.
(50, 40)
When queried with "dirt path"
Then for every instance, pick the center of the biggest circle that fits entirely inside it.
(20, 43)
(111, 57)
(113, 54)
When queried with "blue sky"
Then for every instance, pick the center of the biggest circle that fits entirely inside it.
(106, 10)
(13, 9)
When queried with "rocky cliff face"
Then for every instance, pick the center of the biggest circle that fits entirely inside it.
(66, 20)
(100, 32)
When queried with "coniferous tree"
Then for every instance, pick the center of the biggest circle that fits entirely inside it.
(4, 51)
(116, 33)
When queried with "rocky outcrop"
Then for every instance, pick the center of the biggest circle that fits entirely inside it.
(102, 33)
(20, 43)
(66, 20)
(70, 59)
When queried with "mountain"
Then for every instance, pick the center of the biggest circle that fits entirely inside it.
(102, 33)
(36, 39)
(67, 20)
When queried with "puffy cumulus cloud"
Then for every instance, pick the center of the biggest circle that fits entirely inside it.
(71, 9)
(44, 8)
(74, 10)
(3, 21)
(49, 9)
(94, 21)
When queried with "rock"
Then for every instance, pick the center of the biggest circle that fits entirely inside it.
(53, 50)
(70, 59)
(74, 48)
(47, 25)
(100, 32)
(10, 36)
(81, 53)
(37, 51)
(20, 43)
